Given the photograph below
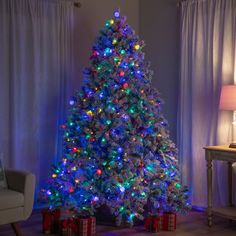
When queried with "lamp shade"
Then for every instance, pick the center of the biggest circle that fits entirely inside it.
(228, 97)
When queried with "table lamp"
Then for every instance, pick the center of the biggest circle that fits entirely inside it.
(228, 102)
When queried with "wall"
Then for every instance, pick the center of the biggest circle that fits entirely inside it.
(89, 19)
(159, 29)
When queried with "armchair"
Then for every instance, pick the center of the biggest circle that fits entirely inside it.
(16, 202)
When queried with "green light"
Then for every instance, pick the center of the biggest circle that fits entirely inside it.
(108, 122)
(132, 194)
(99, 68)
(122, 51)
(143, 194)
(178, 185)
(71, 123)
(132, 64)
(107, 23)
(88, 136)
(122, 209)
(112, 163)
(127, 91)
(131, 216)
(103, 140)
(104, 163)
(131, 110)
(149, 168)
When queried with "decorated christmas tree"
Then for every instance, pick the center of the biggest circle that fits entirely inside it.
(117, 149)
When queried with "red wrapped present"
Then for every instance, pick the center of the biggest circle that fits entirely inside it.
(87, 226)
(168, 221)
(50, 221)
(78, 227)
(153, 223)
(69, 227)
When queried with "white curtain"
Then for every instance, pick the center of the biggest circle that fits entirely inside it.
(207, 62)
(35, 80)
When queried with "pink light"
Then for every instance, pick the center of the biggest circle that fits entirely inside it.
(228, 98)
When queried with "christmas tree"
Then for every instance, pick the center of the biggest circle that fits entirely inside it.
(117, 149)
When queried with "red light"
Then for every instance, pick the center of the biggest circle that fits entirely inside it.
(122, 73)
(125, 85)
(71, 190)
(95, 53)
(141, 165)
(99, 172)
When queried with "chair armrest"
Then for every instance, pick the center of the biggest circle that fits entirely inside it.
(23, 182)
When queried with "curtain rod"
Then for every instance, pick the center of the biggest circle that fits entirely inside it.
(76, 3)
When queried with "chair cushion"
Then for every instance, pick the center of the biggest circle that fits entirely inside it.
(10, 199)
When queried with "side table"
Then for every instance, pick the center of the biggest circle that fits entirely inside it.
(220, 153)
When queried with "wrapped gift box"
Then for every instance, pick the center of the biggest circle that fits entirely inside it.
(50, 221)
(168, 221)
(78, 227)
(153, 223)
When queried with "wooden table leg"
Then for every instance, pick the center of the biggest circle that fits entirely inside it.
(230, 181)
(209, 188)
(230, 187)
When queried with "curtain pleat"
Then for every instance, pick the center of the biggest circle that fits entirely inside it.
(35, 77)
(207, 62)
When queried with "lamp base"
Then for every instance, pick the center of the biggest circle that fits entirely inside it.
(232, 145)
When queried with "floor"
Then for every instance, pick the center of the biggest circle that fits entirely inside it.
(193, 224)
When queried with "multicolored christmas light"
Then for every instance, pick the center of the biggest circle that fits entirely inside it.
(117, 149)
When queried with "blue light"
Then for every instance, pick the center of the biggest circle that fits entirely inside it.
(122, 189)
(96, 198)
(107, 51)
(117, 14)
(72, 102)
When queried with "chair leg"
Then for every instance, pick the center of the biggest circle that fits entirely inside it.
(16, 228)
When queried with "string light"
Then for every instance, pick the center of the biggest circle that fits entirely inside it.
(116, 150)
